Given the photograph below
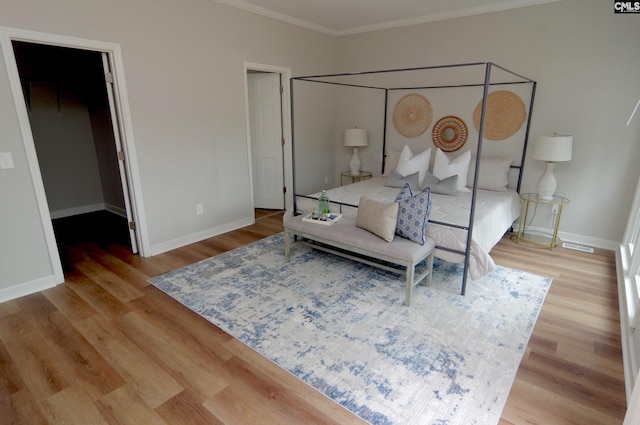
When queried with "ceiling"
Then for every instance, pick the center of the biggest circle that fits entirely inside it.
(342, 17)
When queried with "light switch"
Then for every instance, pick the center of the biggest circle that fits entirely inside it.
(6, 160)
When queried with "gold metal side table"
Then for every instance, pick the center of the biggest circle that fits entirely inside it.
(542, 238)
(362, 175)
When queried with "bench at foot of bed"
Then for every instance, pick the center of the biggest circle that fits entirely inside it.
(345, 239)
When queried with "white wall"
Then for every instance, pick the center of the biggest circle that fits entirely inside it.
(184, 70)
(106, 153)
(66, 151)
(322, 112)
(24, 256)
(315, 116)
(362, 108)
(587, 65)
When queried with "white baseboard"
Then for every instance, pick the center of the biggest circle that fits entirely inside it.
(580, 239)
(27, 288)
(116, 210)
(589, 241)
(197, 237)
(84, 209)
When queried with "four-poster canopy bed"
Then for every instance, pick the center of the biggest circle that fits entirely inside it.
(466, 221)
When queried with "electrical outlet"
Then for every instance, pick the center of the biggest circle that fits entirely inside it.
(554, 209)
(326, 179)
(199, 209)
(6, 160)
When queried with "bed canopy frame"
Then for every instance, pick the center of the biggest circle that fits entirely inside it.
(428, 78)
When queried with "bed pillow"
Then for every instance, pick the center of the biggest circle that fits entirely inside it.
(418, 163)
(413, 215)
(444, 167)
(380, 218)
(405, 193)
(493, 173)
(392, 158)
(396, 179)
(448, 186)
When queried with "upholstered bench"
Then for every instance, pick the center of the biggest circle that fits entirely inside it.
(345, 239)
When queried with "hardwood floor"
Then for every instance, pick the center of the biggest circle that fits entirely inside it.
(108, 348)
(572, 368)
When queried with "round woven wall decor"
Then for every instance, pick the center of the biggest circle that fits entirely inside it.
(505, 114)
(412, 115)
(449, 133)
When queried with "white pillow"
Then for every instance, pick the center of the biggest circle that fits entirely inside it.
(419, 163)
(393, 156)
(443, 168)
(493, 173)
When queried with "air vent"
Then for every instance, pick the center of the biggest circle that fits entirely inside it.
(577, 247)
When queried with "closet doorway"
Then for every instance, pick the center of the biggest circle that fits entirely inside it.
(75, 123)
(268, 133)
(265, 117)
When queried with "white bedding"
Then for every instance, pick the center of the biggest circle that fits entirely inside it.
(494, 215)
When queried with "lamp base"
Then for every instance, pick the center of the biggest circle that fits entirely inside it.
(547, 183)
(354, 163)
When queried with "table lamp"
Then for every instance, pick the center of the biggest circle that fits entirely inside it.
(551, 149)
(355, 138)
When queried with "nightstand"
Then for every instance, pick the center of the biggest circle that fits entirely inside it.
(542, 238)
(362, 175)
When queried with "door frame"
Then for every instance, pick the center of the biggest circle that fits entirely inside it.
(7, 36)
(285, 77)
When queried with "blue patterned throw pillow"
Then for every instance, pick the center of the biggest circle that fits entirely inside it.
(405, 193)
(413, 215)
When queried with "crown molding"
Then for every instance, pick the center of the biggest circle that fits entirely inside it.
(239, 4)
(496, 7)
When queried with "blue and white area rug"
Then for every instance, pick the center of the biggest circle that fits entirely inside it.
(342, 327)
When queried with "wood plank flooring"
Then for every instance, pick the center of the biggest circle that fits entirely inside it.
(108, 348)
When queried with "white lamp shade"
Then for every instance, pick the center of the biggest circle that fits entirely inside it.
(355, 137)
(554, 148)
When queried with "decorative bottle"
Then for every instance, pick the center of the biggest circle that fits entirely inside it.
(323, 204)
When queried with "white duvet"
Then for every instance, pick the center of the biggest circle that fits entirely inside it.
(495, 213)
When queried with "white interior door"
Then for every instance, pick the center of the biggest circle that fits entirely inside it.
(116, 119)
(265, 129)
